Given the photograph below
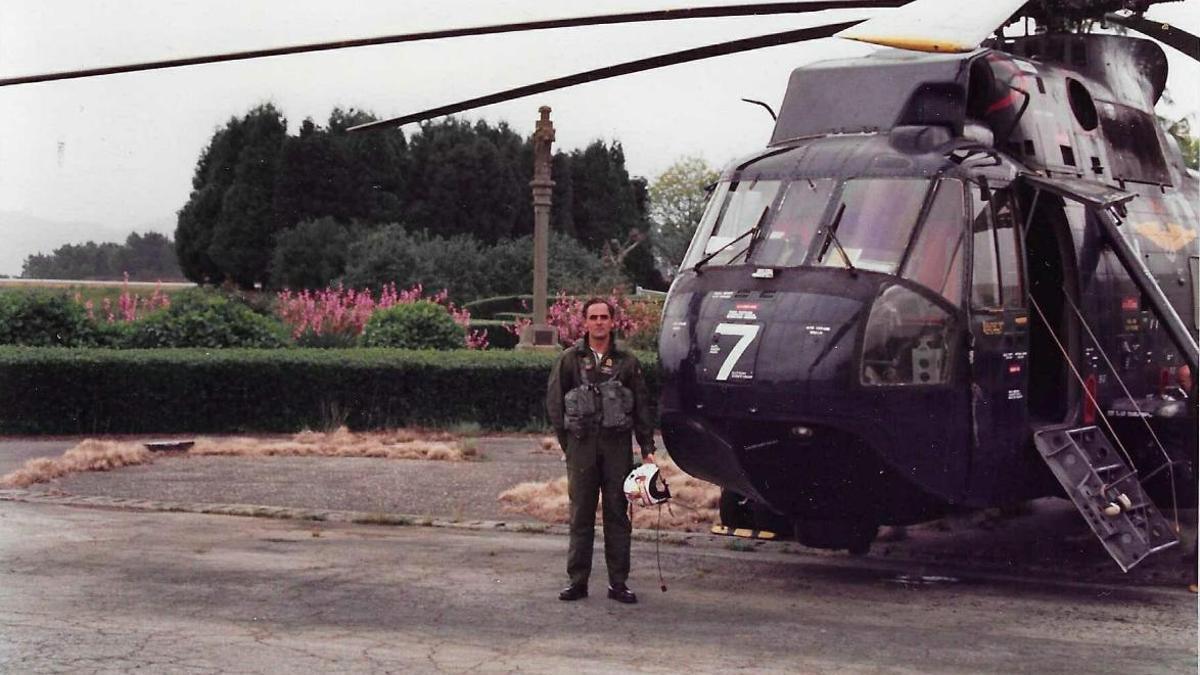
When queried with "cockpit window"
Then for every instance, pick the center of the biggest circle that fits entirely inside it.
(716, 200)
(875, 224)
(786, 240)
(936, 257)
(743, 204)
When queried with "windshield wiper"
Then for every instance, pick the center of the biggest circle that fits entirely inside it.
(703, 261)
(833, 227)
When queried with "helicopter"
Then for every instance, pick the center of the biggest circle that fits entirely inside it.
(961, 274)
(956, 282)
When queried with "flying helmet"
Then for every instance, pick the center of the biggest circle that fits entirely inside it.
(645, 486)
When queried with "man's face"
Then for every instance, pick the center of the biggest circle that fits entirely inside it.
(598, 322)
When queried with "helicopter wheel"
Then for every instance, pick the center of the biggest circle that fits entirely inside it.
(736, 511)
(853, 536)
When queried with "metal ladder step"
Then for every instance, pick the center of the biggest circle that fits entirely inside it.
(1120, 514)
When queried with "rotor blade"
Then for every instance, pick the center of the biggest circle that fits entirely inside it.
(661, 61)
(936, 25)
(749, 9)
(1163, 32)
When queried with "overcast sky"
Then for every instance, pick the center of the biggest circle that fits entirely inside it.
(119, 151)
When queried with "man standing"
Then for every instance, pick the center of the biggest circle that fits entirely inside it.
(595, 397)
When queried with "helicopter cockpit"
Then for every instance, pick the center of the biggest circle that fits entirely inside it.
(910, 228)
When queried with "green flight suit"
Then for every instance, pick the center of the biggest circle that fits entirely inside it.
(599, 459)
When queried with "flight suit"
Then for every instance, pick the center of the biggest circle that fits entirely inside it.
(598, 457)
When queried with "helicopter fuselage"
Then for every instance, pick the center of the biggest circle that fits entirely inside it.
(879, 309)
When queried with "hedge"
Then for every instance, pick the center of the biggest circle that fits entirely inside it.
(486, 308)
(90, 391)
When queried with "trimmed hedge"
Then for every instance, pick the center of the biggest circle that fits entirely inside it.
(89, 391)
(486, 308)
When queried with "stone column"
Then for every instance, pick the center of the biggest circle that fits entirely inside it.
(539, 335)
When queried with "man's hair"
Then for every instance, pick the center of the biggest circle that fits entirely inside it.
(612, 311)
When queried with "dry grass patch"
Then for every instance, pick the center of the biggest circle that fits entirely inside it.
(693, 505)
(96, 455)
(89, 455)
(399, 444)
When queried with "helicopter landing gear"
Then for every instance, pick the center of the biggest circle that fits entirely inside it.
(738, 512)
(852, 535)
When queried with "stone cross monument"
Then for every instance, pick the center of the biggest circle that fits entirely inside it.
(538, 335)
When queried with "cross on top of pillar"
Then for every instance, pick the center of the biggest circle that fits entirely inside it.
(543, 137)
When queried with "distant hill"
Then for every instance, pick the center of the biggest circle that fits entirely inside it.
(22, 235)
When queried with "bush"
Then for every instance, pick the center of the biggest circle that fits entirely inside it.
(417, 325)
(45, 320)
(115, 335)
(199, 319)
(467, 268)
(570, 267)
(311, 254)
(78, 391)
(392, 254)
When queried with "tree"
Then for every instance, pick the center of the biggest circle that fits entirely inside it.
(1189, 145)
(74, 261)
(599, 204)
(466, 179)
(197, 218)
(148, 257)
(310, 255)
(378, 164)
(677, 201)
(244, 231)
(330, 173)
(392, 254)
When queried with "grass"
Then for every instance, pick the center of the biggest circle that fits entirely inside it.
(96, 291)
(693, 501)
(96, 455)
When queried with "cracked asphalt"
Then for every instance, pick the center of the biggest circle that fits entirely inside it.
(129, 570)
(107, 591)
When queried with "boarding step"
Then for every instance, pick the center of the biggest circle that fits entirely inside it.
(1106, 491)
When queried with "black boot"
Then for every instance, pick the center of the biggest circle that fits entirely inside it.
(573, 592)
(621, 593)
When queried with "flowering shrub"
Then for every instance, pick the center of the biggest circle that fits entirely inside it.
(339, 315)
(129, 306)
(200, 319)
(637, 321)
(43, 319)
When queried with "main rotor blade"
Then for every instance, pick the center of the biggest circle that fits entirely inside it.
(748, 9)
(661, 61)
(1163, 32)
(936, 25)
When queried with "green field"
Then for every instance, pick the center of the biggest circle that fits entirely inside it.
(96, 291)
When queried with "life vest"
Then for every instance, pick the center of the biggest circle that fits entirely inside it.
(604, 405)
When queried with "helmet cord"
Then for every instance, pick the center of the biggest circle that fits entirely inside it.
(657, 555)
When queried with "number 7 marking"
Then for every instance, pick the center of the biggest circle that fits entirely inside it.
(746, 332)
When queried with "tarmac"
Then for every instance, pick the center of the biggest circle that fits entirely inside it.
(1046, 541)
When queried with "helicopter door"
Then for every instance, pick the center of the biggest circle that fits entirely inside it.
(1000, 343)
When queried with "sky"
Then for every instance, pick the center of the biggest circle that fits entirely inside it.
(116, 154)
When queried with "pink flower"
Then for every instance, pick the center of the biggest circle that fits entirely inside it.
(341, 311)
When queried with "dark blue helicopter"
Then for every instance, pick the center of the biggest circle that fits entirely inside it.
(947, 273)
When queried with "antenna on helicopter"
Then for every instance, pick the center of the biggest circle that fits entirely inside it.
(770, 110)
